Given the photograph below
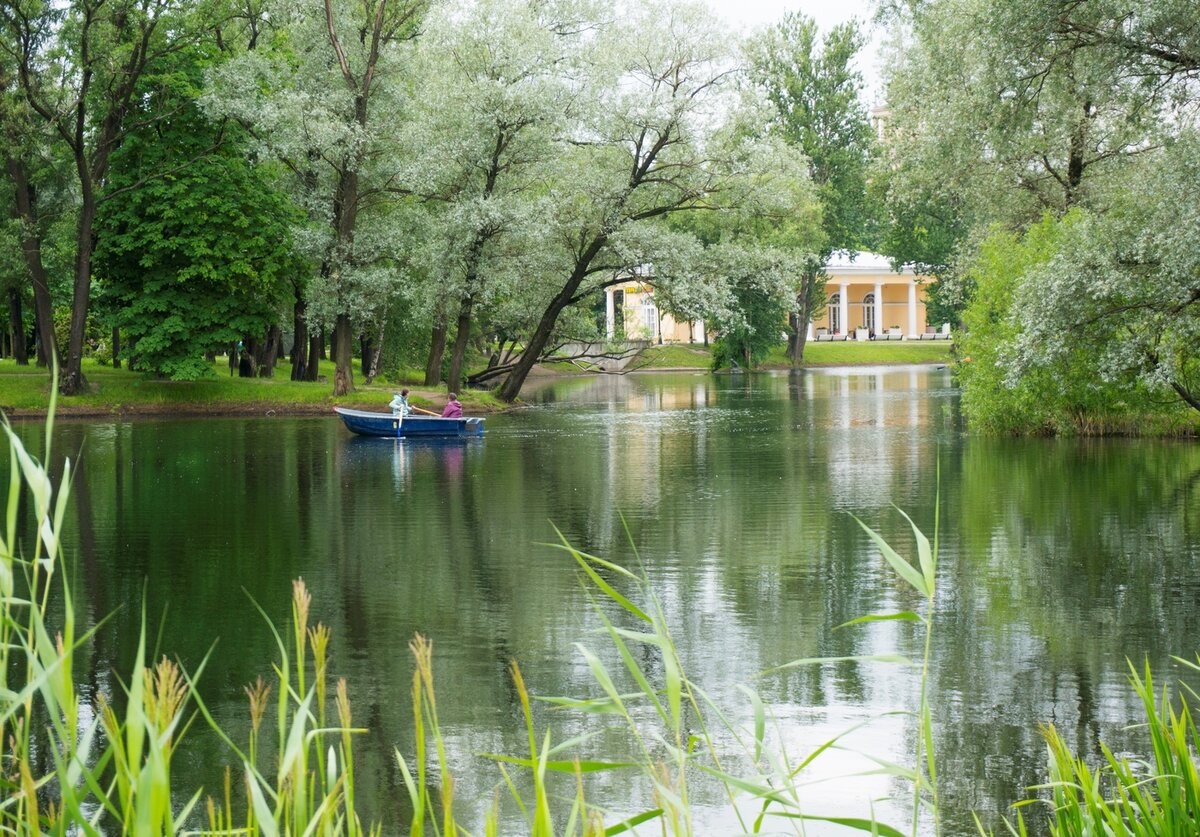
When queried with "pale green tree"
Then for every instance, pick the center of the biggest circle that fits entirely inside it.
(648, 143)
(1123, 288)
(323, 92)
(490, 105)
(991, 118)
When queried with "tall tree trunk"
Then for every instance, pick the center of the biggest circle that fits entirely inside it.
(271, 352)
(511, 387)
(459, 351)
(248, 362)
(437, 348)
(810, 282)
(322, 343)
(793, 338)
(300, 339)
(343, 356)
(116, 348)
(31, 248)
(72, 382)
(1075, 158)
(17, 318)
(366, 349)
(315, 344)
(375, 355)
(42, 358)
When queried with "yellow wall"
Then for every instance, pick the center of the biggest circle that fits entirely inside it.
(895, 306)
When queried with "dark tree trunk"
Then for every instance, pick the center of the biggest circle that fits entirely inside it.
(116, 348)
(271, 352)
(810, 281)
(42, 358)
(314, 356)
(511, 387)
(17, 318)
(376, 352)
(322, 342)
(343, 356)
(437, 348)
(1075, 160)
(366, 349)
(300, 340)
(459, 351)
(248, 362)
(31, 249)
(71, 381)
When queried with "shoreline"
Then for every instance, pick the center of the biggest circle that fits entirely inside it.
(268, 408)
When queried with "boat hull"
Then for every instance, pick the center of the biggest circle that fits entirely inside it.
(411, 426)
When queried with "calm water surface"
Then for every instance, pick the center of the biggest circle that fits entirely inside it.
(1060, 559)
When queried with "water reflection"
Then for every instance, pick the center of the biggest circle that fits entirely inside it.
(1060, 558)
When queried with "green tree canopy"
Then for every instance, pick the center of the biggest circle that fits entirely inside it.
(195, 259)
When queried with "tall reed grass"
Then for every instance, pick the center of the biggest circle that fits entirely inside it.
(1118, 796)
(73, 766)
(69, 766)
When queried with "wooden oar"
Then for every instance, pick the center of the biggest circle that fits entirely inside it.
(416, 409)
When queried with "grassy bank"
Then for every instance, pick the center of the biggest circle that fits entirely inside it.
(849, 353)
(25, 391)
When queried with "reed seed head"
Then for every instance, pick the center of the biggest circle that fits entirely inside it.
(166, 690)
(343, 703)
(301, 601)
(258, 693)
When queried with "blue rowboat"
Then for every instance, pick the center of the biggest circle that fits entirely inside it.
(385, 424)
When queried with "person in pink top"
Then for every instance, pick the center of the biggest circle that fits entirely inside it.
(453, 409)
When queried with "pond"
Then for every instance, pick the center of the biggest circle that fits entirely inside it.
(737, 494)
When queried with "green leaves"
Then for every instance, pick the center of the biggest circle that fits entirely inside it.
(923, 580)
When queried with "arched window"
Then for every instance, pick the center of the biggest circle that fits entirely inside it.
(869, 312)
(835, 324)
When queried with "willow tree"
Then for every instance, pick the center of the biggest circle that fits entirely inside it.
(492, 100)
(323, 93)
(644, 146)
(1075, 118)
(993, 118)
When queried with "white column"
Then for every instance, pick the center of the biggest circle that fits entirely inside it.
(610, 313)
(808, 332)
(880, 327)
(844, 307)
(912, 310)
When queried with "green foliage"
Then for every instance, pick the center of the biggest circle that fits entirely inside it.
(1027, 362)
(989, 402)
(1126, 797)
(748, 337)
(195, 259)
(815, 94)
(1122, 292)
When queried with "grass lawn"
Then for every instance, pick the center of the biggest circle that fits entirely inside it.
(855, 353)
(674, 356)
(849, 353)
(25, 390)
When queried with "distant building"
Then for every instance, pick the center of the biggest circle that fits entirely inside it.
(866, 299)
(629, 311)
